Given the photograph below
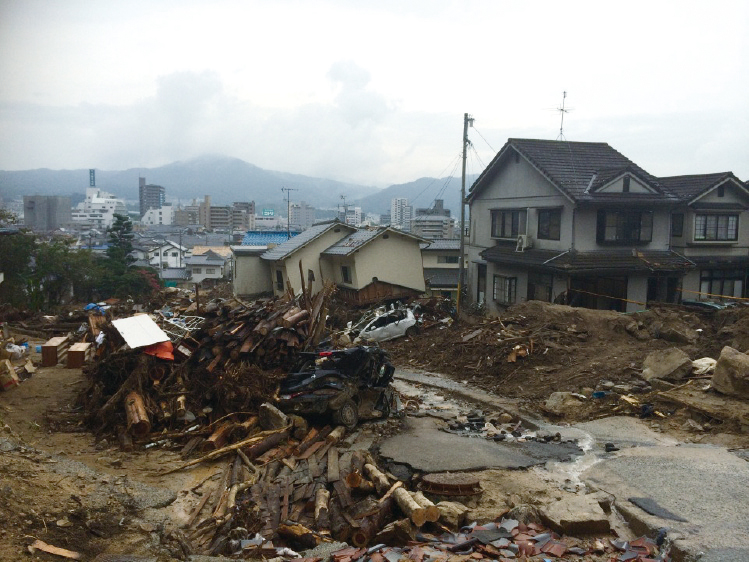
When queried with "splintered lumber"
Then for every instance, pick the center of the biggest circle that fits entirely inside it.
(336, 435)
(396, 533)
(334, 473)
(433, 513)
(354, 477)
(322, 512)
(257, 449)
(378, 478)
(409, 507)
(299, 534)
(369, 526)
(137, 416)
(307, 441)
(219, 437)
(250, 441)
(44, 547)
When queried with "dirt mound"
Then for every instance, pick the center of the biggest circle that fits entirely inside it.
(537, 348)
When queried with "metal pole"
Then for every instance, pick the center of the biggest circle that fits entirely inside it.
(461, 271)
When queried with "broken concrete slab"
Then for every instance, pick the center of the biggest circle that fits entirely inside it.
(576, 515)
(670, 364)
(422, 445)
(731, 374)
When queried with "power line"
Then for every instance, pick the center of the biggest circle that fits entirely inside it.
(486, 141)
(431, 183)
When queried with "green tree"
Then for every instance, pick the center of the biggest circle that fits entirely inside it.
(120, 244)
(121, 279)
(17, 251)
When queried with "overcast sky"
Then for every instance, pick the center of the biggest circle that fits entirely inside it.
(371, 92)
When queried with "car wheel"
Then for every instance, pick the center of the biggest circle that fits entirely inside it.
(347, 414)
(412, 331)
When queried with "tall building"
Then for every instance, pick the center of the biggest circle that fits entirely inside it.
(353, 216)
(151, 196)
(46, 212)
(98, 209)
(301, 216)
(437, 209)
(239, 216)
(433, 227)
(400, 213)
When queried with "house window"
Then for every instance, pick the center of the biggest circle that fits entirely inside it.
(197, 270)
(508, 223)
(677, 224)
(549, 224)
(624, 227)
(174, 254)
(716, 227)
(448, 259)
(210, 270)
(505, 289)
(346, 274)
(721, 191)
(279, 280)
(720, 283)
(625, 184)
(540, 286)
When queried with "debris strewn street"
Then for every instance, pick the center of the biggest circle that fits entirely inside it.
(174, 434)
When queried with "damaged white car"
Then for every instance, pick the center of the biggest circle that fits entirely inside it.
(383, 325)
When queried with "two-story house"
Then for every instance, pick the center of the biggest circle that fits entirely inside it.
(711, 228)
(441, 260)
(571, 222)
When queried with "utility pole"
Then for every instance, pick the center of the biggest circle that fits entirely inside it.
(288, 210)
(467, 121)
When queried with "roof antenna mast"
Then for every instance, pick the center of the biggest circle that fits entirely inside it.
(562, 111)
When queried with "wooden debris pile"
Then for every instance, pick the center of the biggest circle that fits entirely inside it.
(277, 495)
(230, 365)
(300, 493)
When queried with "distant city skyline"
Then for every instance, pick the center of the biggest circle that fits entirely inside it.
(314, 88)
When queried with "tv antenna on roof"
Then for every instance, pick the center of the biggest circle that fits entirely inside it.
(562, 110)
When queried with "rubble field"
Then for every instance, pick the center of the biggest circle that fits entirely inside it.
(536, 351)
(167, 443)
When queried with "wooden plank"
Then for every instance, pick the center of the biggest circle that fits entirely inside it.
(344, 494)
(312, 450)
(334, 474)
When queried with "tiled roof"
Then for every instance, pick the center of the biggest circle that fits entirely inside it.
(440, 277)
(290, 246)
(266, 237)
(174, 273)
(571, 166)
(689, 187)
(597, 262)
(352, 242)
(442, 244)
(208, 258)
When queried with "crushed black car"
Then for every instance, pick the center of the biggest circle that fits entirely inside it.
(348, 384)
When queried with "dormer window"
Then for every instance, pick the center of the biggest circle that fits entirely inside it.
(625, 184)
(721, 191)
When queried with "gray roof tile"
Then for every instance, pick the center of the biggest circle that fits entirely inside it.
(285, 249)
(573, 167)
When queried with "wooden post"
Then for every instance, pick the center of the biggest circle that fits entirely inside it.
(416, 513)
(322, 515)
(137, 416)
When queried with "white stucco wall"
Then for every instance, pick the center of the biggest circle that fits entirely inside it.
(251, 276)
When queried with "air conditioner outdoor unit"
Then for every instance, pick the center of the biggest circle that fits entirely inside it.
(525, 241)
